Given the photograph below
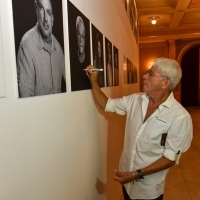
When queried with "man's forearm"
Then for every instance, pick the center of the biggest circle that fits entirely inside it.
(99, 96)
(159, 165)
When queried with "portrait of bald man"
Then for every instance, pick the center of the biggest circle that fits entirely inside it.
(79, 47)
(40, 56)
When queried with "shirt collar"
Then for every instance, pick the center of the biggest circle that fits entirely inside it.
(40, 40)
(167, 103)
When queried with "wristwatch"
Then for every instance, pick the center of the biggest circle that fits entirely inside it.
(140, 175)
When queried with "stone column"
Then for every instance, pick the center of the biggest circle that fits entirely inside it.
(172, 55)
(172, 49)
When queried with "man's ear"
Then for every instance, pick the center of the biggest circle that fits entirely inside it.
(166, 84)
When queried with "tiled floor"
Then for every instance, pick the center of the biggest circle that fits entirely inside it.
(183, 180)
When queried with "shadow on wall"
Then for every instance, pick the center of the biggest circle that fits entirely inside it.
(115, 140)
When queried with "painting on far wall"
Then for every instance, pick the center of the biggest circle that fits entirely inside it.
(131, 13)
(116, 66)
(39, 47)
(79, 47)
(98, 53)
(109, 65)
(136, 23)
(125, 4)
(2, 75)
(133, 18)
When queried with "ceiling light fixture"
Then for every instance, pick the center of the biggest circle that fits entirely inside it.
(154, 19)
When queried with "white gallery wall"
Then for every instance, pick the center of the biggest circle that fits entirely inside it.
(61, 146)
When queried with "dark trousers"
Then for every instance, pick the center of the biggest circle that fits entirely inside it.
(126, 197)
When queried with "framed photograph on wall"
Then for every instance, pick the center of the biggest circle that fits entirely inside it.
(109, 64)
(79, 47)
(131, 72)
(125, 69)
(39, 47)
(98, 53)
(116, 66)
(2, 73)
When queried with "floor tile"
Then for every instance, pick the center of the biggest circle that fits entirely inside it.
(194, 189)
(183, 180)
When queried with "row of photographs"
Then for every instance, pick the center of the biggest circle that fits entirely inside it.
(131, 10)
(130, 71)
(102, 50)
(40, 59)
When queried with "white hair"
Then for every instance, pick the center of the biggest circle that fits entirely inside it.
(171, 69)
(79, 20)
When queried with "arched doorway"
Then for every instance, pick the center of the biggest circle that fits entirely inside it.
(189, 60)
(190, 78)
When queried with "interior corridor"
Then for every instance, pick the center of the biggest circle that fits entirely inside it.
(183, 180)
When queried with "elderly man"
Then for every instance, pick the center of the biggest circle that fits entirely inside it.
(40, 60)
(79, 59)
(158, 130)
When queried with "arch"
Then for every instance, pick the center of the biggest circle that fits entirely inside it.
(183, 51)
(179, 60)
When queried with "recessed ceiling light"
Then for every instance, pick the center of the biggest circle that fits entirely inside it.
(154, 19)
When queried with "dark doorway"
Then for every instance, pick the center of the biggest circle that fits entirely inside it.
(190, 78)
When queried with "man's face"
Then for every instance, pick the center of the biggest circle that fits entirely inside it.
(81, 37)
(153, 81)
(44, 17)
(99, 49)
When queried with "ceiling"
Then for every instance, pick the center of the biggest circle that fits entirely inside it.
(177, 19)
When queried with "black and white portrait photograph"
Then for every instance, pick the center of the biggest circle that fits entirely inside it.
(79, 48)
(39, 47)
(116, 66)
(2, 73)
(109, 65)
(134, 74)
(98, 54)
(131, 72)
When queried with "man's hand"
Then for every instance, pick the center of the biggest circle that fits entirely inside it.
(123, 177)
(98, 95)
(92, 75)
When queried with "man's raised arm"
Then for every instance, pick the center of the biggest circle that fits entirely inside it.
(99, 96)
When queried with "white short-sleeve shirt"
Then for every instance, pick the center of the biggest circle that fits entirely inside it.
(167, 132)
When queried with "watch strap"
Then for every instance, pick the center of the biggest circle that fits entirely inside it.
(140, 175)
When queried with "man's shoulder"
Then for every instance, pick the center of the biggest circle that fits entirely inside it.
(136, 95)
(56, 43)
(29, 37)
(178, 108)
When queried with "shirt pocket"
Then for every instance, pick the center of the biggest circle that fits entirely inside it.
(150, 139)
